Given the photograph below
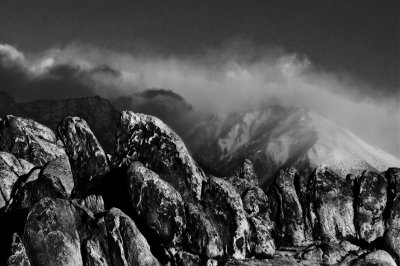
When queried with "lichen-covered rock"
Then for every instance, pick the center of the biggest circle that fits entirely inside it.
(201, 236)
(29, 140)
(224, 208)
(51, 236)
(378, 257)
(128, 246)
(94, 203)
(157, 204)
(148, 140)
(330, 210)
(61, 169)
(18, 255)
(88, 160)
(45, 186)
(287, 210)
(371, 198)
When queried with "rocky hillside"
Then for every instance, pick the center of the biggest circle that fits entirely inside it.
(64, 201)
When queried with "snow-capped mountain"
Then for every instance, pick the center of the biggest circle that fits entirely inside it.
(277, 137)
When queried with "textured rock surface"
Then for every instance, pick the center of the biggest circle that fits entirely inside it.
(157, 204)
(330, 253)
(18, 255)
(45, 186)
(256, 205)
(61, 169)
(392, 236)
(88, 160)
(186, 259)
(287, 210)
(371, 191)
(148, 140)
(201, 237)
(330, 211)
(94, 203)
(29, 140)
(8, 177)
(378, 257)
(50, 236)
(224, 207)
(247, 172)
(127, 245)
(19, 166)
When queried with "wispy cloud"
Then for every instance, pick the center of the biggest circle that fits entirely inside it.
(231, 79)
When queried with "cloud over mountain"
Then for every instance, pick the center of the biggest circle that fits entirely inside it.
(235, 78)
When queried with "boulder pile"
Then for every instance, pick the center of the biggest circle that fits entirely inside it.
(64, 201)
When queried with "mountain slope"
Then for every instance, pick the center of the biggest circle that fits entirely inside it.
(98, 112)
(276, 137)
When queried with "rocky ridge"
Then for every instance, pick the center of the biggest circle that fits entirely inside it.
(64, 201)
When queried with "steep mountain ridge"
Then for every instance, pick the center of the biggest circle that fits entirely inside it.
(277, 137)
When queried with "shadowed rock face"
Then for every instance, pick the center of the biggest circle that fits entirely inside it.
(148, 140)
(392, 236)
(371, 201)
(287, 210)
(330, 213)
(18, 253)
(29, 140)
(225, 208)
(127, 245)
(157, 204)
(45, 186)
(61, 169)
(88, 160)
(202, 236)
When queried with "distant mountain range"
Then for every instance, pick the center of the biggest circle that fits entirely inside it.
(272, 137)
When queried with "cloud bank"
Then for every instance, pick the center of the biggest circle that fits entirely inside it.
(233, 78)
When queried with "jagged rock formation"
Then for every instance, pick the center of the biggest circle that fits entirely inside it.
(147, 139)
(287, 210)
(225, 208)
(371, 189)
(173, 214)
(127, 244)
(330, 210)
(157, 204)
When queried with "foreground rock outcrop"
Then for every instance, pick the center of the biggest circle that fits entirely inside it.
(148, 140)
(89, 162)
(29, 140)
(151, 204)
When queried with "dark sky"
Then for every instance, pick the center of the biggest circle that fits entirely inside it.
(356, 37)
